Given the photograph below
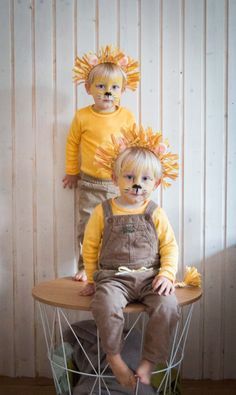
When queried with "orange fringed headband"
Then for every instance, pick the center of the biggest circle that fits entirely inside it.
(108, 54)
(107, 154)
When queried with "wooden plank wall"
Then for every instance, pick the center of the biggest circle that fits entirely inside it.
(187, 52)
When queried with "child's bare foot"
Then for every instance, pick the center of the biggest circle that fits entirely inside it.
(80, 276)
(121, 371)
(144, 371)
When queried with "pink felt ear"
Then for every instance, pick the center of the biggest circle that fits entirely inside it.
(92, 59)
(123, 61)
(162, 148)
(122, 145)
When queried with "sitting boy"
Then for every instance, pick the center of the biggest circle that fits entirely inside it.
(130, 252)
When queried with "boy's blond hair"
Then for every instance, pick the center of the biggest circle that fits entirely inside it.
(140, 159)
(106, 70)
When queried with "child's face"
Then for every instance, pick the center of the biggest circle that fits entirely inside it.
(106, 92)
(135, 186)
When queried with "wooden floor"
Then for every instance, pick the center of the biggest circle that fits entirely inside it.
(41, 386)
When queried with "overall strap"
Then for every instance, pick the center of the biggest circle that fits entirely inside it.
(106, 205)
(151, 207)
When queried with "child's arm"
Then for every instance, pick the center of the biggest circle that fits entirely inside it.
(72, 149)
(168, 251)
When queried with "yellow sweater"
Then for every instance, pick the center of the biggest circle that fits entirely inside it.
(89, 130)
(168, 248)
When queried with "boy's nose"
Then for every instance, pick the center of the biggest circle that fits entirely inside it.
(108, 94)
(136, 187)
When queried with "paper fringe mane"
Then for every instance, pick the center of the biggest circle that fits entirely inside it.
(108, 54)
(107, 154)
(191, 278)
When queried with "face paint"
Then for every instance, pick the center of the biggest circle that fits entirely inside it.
(106, 92)
(135, 186)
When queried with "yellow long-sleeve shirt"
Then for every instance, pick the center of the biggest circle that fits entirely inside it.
(89, 130)
(168, 248)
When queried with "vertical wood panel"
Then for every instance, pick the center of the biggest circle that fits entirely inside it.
(107, 22)
(24, 173)
(214, 217)
(6, 230)
(44, 118)
(129, 42)
(230, 257)
(150, 54)
(193, 166)
(86, 24)
(64, 203)
(171, 104)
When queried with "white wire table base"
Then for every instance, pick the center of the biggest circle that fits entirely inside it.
(54, 336)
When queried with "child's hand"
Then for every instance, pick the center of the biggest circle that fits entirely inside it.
(80, 276)
(70, 181)
(163, 285)
(88, 290)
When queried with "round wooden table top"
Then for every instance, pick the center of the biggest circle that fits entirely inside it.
(64, 292)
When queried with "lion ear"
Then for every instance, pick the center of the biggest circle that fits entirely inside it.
(123, 61)
(92, 59)
(162, 148)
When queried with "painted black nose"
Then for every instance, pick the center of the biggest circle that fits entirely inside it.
(108, 94)
(137, 187)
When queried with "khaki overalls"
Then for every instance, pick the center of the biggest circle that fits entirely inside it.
(131, 241)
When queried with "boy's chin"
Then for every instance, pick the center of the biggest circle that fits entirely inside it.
(136, 199)
(109, 106)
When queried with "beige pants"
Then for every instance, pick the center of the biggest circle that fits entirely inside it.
(113, 293)
(91, 191)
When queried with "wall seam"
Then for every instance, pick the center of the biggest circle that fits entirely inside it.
(13, 128)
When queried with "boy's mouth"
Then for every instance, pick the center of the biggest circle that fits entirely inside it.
(136, 193)
(107, 99)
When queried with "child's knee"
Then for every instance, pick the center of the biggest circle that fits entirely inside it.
(166, 306)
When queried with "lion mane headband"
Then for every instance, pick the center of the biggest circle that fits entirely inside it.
(107, 54)
(107, 154)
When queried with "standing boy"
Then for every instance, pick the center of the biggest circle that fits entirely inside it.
(106, 76)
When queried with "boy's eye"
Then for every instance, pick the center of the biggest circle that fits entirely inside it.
(129, 176)
(100, 86)
(146, 178)
(115, 87)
